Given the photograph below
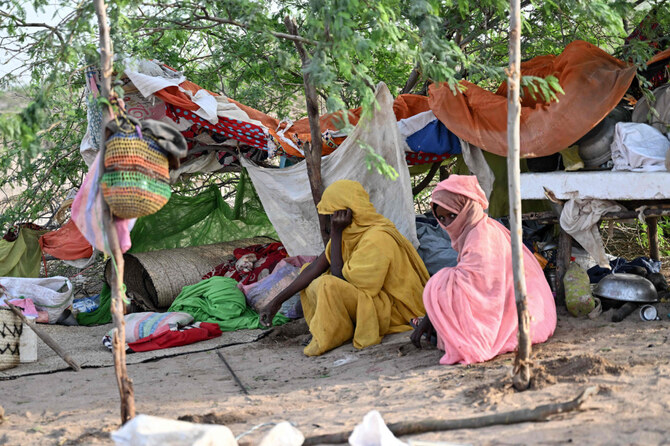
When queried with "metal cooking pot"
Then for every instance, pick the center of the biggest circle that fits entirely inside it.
(626, 288)
(594, 147)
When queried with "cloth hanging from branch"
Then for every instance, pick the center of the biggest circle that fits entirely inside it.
(286, 194)
(21, 256)
(66, 243)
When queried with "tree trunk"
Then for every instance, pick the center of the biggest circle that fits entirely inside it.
(312, 150)
(522, 361)
(124, 383)
(412, 80)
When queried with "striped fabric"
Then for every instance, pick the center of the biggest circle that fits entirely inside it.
(141, 325)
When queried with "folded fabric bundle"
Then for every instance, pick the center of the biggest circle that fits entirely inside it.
(177, 336)
(260, 293)
(639, 147)
(220, 301)
(145, 324)
(174, 336)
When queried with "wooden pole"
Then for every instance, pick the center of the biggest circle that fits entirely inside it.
(124, 383)
(521, 378)
(402, 428)
(563, 255)
(44, 336)
(652, 232)
(313, 150)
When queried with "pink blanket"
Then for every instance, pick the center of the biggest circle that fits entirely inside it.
(472, 305)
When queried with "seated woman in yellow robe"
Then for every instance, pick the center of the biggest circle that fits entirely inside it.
(367, 283)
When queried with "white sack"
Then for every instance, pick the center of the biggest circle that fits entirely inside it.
(145, 430)
(283, 434)
(373, 432)
(287, 197)
(45, 293)
(638, 147)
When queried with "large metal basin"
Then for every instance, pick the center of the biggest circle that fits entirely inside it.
(626, 288)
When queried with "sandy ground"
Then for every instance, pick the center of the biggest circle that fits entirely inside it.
(629, 362)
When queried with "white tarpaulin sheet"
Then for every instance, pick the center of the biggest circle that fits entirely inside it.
(287, 197)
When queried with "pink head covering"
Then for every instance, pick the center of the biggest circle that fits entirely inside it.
(462, 195)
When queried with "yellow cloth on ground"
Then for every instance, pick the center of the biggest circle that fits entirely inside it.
(384, 278)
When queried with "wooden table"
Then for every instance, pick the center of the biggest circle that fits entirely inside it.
(641, 193)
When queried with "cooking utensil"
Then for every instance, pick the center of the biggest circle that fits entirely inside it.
(626, 288)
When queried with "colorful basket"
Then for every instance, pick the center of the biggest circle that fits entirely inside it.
(136, 178)
(10, 333)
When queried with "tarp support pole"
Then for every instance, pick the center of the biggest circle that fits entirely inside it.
(124, 383)
(522, 371)
(314, 148)
(239, 194)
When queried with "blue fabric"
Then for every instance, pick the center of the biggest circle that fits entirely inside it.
(434, 138)
(434, 245)
(621, 265)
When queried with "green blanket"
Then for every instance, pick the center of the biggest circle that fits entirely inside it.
(102, 315)
(218, 300)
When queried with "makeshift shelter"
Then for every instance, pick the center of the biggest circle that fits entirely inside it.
(220, 131)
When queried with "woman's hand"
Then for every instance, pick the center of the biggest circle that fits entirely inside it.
(306, 276)
(268, 312)
(425, 328)
(340, 220)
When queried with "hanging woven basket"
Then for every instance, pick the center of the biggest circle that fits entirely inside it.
(10, 333)
(136, 178)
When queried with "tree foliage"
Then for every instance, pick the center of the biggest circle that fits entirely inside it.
(242, 49)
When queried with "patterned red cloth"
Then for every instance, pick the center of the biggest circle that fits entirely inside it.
(251, 263)
(414, 158)
(245, 132)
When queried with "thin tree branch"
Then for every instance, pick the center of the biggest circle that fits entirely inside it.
(539, 413)
(22, 22)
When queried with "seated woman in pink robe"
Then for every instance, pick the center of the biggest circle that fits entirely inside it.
(471, 306)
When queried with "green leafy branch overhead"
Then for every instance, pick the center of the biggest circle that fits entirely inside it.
(243, 49)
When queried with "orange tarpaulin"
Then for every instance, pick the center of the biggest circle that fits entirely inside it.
(594, 82)
(660, 56)
(407, 105)
(66, 243)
